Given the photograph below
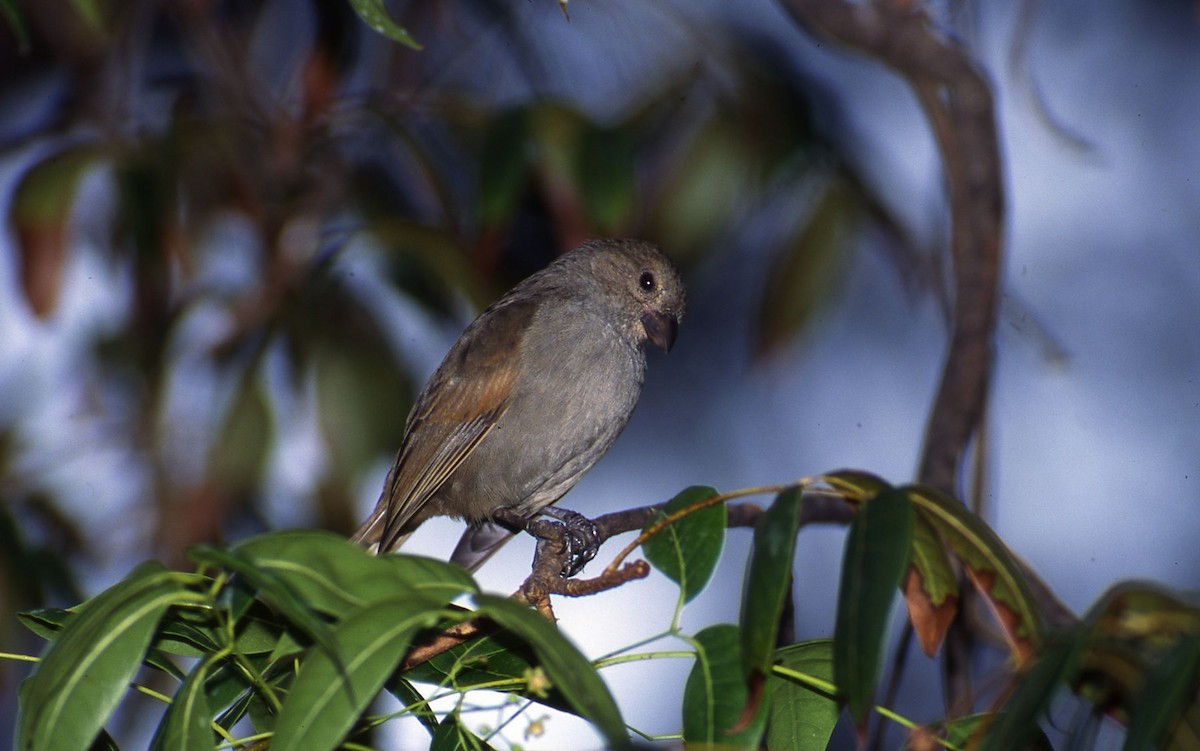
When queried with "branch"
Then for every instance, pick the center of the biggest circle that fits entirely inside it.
(958, 103)
(551, 554)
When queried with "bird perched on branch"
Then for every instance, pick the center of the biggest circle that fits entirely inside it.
(531, 395)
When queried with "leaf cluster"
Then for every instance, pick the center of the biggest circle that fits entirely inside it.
(291, 636)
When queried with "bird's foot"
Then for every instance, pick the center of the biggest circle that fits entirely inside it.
(582, 538)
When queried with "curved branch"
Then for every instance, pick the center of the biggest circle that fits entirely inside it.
(958, 102)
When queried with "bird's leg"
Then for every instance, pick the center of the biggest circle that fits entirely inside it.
(579, 533)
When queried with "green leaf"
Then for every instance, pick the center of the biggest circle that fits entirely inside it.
(1169, 688)
(47, 623)
(504, 166)
(413, 702)
(855, 485)
(90, 12)
(361, 395)
(274, 589)
(1017, 724)
(606, 177)
(16, 22)
(805, 279)
(240, 452)
(500, 660)
(452, 736)
(431, 577)
(688, 550)
(84, 674)
(878, 548)
(709, 181)
(716, 694)
(227, 687)
(332, 691)
(960, 730)
(569, 671)
(801, 716)
(992, 569)
(335, 576)
(768, 581)
(187, 725)
(374, 13)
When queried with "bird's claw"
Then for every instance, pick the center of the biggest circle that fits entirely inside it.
(582, 539)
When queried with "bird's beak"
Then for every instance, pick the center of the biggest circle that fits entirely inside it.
(661, 328)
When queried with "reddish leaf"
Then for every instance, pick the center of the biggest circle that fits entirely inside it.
(930, 622)
(41, 211)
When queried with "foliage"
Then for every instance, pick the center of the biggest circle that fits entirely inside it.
(292, 636)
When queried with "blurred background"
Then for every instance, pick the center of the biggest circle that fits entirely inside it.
(238, 236)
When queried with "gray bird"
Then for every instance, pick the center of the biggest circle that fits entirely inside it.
(531, 395)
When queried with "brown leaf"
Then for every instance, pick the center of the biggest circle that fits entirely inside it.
(43, 255)
(40, 216)
(1023, 647)
(930, 622)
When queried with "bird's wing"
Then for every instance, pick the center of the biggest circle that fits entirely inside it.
(463, 401)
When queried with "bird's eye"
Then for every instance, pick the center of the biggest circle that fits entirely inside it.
(646, 281)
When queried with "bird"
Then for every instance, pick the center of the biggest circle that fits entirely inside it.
(531, 395)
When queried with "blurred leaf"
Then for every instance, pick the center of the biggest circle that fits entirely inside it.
(878, 549)
(1147, 615)
(801, 716)
(1185, 736)
(187, 723)
(806, 276)
(716, 694)
(855, 485)
(959, 730)
(16, 23)
(332, 690)
(504, 166)
(710, 179)
(990, 566)
(41, 211)
(429, 265)
(1016, 726)
(767, 583)
(374, 13)
(452, 736)
(569, 671)
(333, 575)
(930, 588)
(605, 169)
(84, 673)
(90, 13)
(363, 398)
(688, 550)
(244, 442)
(1169, 687)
